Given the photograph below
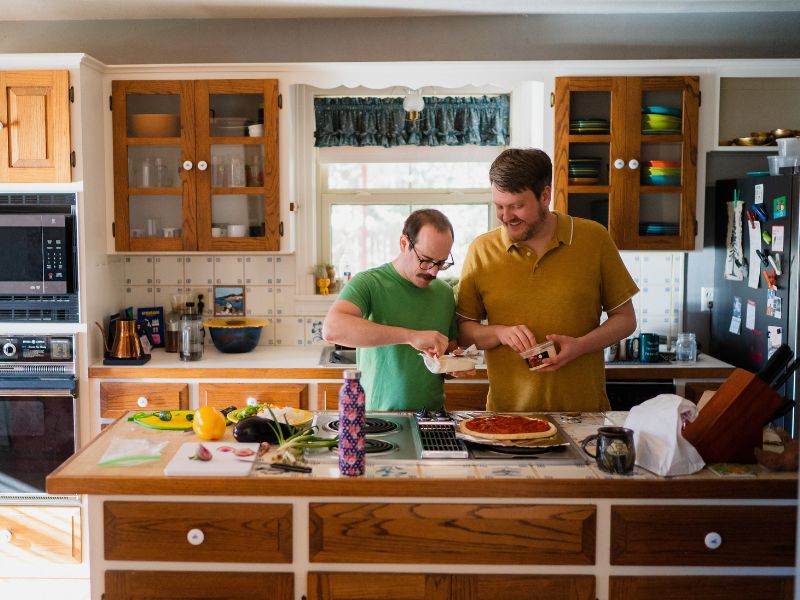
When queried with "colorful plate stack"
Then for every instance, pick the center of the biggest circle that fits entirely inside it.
(661, 120)
(584, 171)
(589, 126)
(661, 172)
(659, 229)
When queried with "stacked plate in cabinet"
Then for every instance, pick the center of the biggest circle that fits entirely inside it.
(589, 126)
(661, 120)
(661, 172)
(584, 171)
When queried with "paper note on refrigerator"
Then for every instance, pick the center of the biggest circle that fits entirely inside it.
(774, 338)
(750, 319)
(754, 274)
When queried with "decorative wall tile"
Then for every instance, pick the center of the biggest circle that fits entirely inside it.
(284, 270)
(207, 292)
(259, 300)
(267, 335)
(289, 331)
(314, 331)
(656, 268)
(198, 270)
(229, 270)
(284, 299)
(139, 270)
(259, 270)
(139, 296)
(168, 270)
(163, 296)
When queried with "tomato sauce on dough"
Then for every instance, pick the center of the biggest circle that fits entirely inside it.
(507, 424)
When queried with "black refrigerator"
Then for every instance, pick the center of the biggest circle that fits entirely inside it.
(758, 213)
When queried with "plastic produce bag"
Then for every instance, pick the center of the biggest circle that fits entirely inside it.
(123, 452)
(450, 363)
(660, 447)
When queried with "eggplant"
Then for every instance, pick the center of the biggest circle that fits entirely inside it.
(257, 429)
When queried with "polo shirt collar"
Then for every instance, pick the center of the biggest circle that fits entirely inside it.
(563, 233)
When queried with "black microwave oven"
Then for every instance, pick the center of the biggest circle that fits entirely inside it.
(38, 268)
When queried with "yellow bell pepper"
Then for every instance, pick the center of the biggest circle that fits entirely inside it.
(208, 423)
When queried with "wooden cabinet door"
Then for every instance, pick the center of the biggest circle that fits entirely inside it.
(40, 534)
(440, 586)
(465, 396)
(706, 587)
(117, 398)
(35, 136)
(154, 165)
(328, 395)
(194, 585)
(222, 395)
(240, 186)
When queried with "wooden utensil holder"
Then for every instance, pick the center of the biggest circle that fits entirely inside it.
(731, 423)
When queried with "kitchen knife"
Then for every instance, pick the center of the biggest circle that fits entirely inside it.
(783, 377)
(776, 364)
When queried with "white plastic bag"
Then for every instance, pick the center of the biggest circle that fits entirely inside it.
(660, 446)
(123, 452)
(451, 363)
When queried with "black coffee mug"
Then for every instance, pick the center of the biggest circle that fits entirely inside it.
(632, 348)
(615, 450)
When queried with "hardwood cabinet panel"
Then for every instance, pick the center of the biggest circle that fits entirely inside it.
(705, 587)
(222, 395)
(157, 531)
(191, 585)
(117, 398)
(35, 141)
(694, 389)
(465, 396)
(328, 395)
(471, 533)
(46, 534)
(675, 535)
(437, 586)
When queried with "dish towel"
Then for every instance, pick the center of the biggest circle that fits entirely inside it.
(660, 447)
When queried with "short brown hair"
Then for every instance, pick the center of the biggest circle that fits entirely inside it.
(426, 216)
(520, 169)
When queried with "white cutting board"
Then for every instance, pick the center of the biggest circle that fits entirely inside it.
(221, 463)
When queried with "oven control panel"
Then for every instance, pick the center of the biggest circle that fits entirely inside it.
(35, 349)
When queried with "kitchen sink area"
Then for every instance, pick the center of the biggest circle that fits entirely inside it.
(337, 356)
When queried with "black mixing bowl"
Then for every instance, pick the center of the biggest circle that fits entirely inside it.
(235, 335)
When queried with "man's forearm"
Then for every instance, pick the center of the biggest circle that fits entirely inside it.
(615, 327)
(483, 336)
(349, 330)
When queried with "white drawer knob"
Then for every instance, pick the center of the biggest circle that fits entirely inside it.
(633, 164)
(187, 165)
(251, 401)
(141, 401)
(202, 165)
(713, 540)
(195, 537)
(5, 536)
(619, 163)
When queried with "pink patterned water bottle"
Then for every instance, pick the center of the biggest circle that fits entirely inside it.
(351, 425)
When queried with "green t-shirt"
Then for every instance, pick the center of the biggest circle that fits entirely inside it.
(395, 377)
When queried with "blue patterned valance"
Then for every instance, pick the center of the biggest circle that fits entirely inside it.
(447, 121)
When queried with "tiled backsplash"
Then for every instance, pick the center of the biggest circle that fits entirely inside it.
(270, 289)
(269, 283)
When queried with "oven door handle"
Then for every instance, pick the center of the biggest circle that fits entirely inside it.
(18, 393)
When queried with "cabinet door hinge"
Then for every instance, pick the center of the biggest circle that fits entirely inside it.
(111, 103)
(71, 94)
(291, 206)
(280, 100)
(280, 228)
(552, 99)
(113, 229)
(695, 226)
(699, 98)
(72, 158)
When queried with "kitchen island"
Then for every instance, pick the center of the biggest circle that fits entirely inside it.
(431, 529)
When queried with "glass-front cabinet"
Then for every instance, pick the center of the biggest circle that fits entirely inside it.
(196, 165)
(626, 156)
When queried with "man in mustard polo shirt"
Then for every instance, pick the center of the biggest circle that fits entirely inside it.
(542, 276)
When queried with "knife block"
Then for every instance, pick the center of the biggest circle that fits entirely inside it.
(731, 423)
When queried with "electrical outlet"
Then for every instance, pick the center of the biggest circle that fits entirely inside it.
(706, 298)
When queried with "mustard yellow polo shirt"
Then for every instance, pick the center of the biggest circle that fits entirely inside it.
(564, 291)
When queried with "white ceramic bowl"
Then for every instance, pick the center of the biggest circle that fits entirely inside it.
(256, 130)
(238, 230)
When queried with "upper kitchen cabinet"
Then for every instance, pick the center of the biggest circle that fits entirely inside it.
(34, 127)
(196, 165)
(626, 156)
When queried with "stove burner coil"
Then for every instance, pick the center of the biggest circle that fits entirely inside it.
(372, 426)
(373, 446)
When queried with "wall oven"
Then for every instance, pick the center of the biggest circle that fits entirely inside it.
(38, 265)
(38, 424)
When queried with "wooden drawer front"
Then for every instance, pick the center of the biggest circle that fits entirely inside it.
(223, 395)
(675, 535)
(452, 533)
(192, 585)
(46, 534)
(118, 398)
(157, 531)
(406, 586)
(465, 396)
(707, 588)
(328, 396)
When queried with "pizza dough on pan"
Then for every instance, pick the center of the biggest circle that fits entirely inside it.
(507, 427)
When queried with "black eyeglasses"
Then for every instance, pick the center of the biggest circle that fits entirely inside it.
(426, 264)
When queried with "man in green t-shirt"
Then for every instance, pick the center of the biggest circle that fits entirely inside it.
(394, 312)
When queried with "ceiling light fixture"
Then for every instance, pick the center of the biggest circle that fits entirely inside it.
(413, 104)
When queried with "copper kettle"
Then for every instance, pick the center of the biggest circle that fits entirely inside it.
(126, 342)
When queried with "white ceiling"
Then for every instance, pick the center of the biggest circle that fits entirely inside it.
(68, 10)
